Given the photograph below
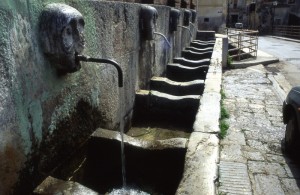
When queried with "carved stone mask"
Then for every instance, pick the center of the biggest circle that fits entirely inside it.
(186, 17)
(194, 15)
(61, 30)
(148, 21)
(174, 19)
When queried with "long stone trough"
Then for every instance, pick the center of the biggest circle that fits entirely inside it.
(172, 147)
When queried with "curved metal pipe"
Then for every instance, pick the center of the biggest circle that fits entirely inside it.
(193, 25)
(186, 28)
(107, 61)
(163, 37)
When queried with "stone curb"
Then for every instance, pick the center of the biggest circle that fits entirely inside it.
(286, 39)
(202, 158)
(255, 62)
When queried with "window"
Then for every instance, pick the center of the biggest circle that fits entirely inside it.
(235, 4)
(291, 1)
(206, 19)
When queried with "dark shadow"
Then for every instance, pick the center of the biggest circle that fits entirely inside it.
(293, 162)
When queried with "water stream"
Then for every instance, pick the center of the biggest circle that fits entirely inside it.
(124, 190)
(122, 141)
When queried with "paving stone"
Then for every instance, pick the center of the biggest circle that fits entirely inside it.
(242, 100)
(257, 167)
(273, 112)
(257, 145)
(265, 136)
(257, 101)
(275, 148)
(255, 156)
(290, 186)
(232, 153)
(266, 185)
(275, 158)
(255, 111)
(257, 108)
(234, 178)
(271, 102)
(260, 117)
(234, 136)
(244, 119)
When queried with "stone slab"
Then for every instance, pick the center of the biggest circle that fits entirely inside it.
(234, 178)
(200, 165)
(232, 153)
(234, 137)
(267, 184)
(257, 167)
(290, 186)
(207, 118)
(52, 185)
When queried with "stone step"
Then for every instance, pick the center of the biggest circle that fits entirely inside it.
(165, 85)
(180, 73)
(192, 55)
(191, 63)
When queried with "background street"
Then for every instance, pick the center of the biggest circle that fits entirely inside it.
(288, 53)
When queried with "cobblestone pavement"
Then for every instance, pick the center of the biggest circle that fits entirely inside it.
(251, 159)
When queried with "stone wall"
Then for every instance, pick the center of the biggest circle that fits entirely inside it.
(212, 15)
(44, 117)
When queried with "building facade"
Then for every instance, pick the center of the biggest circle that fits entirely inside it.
(211, 15)
(262, 14)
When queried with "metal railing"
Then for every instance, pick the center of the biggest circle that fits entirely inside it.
(244, 43)
(286, 31)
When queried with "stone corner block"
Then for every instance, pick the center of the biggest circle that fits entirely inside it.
(207, 118)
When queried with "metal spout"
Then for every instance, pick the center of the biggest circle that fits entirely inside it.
(193, 25)
(186, 28)
(163, 37)
(107, 61)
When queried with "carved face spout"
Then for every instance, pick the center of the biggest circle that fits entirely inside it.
(174, 19)
(61, 30)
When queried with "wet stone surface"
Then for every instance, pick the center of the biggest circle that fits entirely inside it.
(255, 134)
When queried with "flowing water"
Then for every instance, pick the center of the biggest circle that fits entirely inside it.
(127, 192)
(122, 139)
(123, 157)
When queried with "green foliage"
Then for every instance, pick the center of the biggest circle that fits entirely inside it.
(224, 126)
(224, 113)
(223, 95)
(229, 61)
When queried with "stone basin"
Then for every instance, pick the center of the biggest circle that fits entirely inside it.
(192, 55)
(180, 73)
(156, 109)
(199, 50)
(191, 63)
(194, 87)
(155, 167)
(201, 44)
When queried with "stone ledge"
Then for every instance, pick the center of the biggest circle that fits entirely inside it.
(201, 169)
(200, 165)
(52, 185)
